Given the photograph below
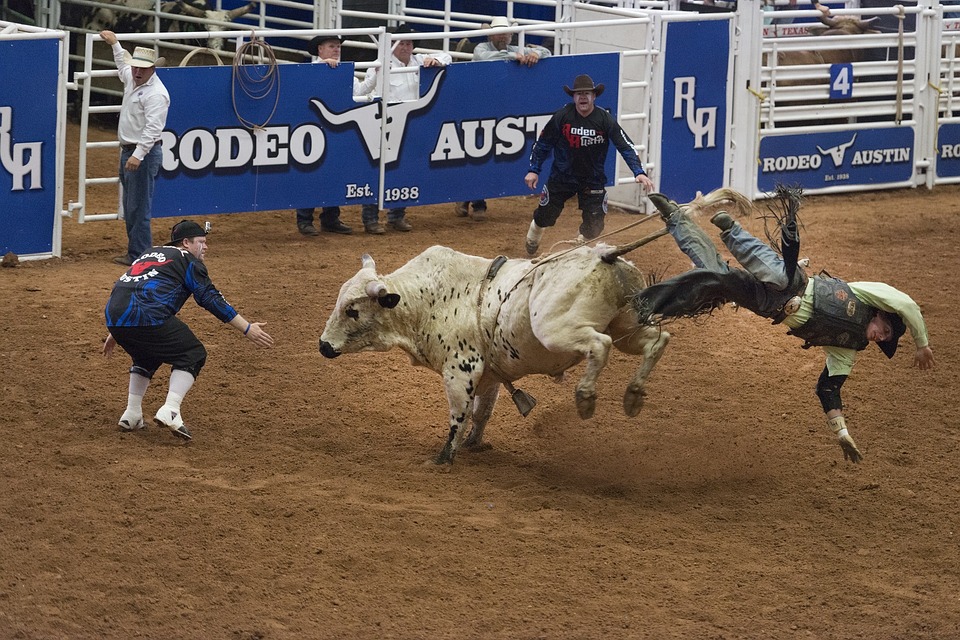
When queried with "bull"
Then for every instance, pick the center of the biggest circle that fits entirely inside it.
(832, 26)
(482, 324)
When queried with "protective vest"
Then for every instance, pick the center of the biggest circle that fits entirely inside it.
(839, 318)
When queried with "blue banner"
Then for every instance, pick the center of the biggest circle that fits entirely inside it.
(256, 141)
(232, 145)
(948, 151)
(29, 76)
(693, 137)
(819, 160)
(471, 133)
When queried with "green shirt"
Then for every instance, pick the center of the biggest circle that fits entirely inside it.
(876, 294)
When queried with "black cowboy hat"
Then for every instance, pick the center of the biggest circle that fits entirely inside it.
(316, 41)
(403, 28)
(889, 347)
(583, 82)
(188, 229)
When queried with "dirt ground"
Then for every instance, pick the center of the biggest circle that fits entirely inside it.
(306, 506)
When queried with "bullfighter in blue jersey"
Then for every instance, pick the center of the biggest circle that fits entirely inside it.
(141, 316)
(579, 136)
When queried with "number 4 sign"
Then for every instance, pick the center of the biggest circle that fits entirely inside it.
(841, 81)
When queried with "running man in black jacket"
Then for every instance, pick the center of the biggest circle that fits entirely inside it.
(579, 136)
(142, 318)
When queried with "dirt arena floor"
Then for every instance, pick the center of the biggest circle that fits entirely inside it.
(306, 505)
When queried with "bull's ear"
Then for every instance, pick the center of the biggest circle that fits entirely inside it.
(389, 301)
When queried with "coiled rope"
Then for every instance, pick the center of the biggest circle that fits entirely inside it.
(256, 81)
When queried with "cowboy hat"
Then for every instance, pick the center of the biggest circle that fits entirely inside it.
(143, 57)
(316, 41)
(583, 82)
(499, 21)
(889, 347)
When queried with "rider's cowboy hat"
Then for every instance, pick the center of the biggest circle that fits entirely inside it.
(583, 82)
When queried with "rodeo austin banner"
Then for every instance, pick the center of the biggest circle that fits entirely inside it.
(468, 136)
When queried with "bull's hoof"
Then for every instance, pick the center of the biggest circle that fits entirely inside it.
(477, 447)
(633, 400)
(586, 404)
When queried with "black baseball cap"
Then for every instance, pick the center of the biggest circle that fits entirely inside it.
(186, 229)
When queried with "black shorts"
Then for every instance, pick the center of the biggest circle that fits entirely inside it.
(592, 202)
(171, 343)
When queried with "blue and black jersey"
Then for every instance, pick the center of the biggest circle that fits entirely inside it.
(580, 146)
(157, 285)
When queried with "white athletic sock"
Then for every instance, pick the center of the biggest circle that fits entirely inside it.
(180, 383)
(136, 390)
(534, 233)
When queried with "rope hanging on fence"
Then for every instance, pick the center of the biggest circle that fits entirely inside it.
(255, 84)
(900, 17)
(760, 98)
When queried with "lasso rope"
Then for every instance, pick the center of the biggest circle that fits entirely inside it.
(254, 84)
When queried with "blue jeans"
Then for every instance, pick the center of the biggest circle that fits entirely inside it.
(138, 189)
(328, 216)
(762, 262)
(370, 214)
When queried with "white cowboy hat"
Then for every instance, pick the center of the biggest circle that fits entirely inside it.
(142, 57)
(499, 21)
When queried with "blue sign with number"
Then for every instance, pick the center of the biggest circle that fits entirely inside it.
(841, 81)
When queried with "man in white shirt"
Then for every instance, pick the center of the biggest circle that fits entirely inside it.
(143, 115)
(401, 87)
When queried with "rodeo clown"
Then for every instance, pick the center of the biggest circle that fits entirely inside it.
(142, 318)
(579, 136)
(841, 317)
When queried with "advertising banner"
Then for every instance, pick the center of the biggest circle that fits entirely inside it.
(29, 77)
(819, 160)
(232, 145)
(948, 151)
(693, 137)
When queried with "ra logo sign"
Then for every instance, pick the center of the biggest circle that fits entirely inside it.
(20, 160)
(701, 121)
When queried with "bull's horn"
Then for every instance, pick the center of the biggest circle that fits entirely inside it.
(233, 14)
(190, 10)
(825, 16)
(366, 262)
(376, 289)
(611, 256)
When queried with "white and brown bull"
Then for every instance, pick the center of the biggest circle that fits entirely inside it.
(832, 26)
(484, 323)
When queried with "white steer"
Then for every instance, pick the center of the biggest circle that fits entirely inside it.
(481, 323)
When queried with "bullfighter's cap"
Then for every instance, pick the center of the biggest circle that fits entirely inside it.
(186, 229)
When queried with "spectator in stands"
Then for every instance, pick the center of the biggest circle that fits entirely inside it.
(578, 136)
(143, 115)
(403, 86)
(498, 47)
(325, 50)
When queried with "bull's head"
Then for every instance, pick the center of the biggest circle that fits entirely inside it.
(356, 322)
(215, 17)
(841, 25)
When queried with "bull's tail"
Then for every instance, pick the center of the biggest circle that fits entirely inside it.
(734, 202)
